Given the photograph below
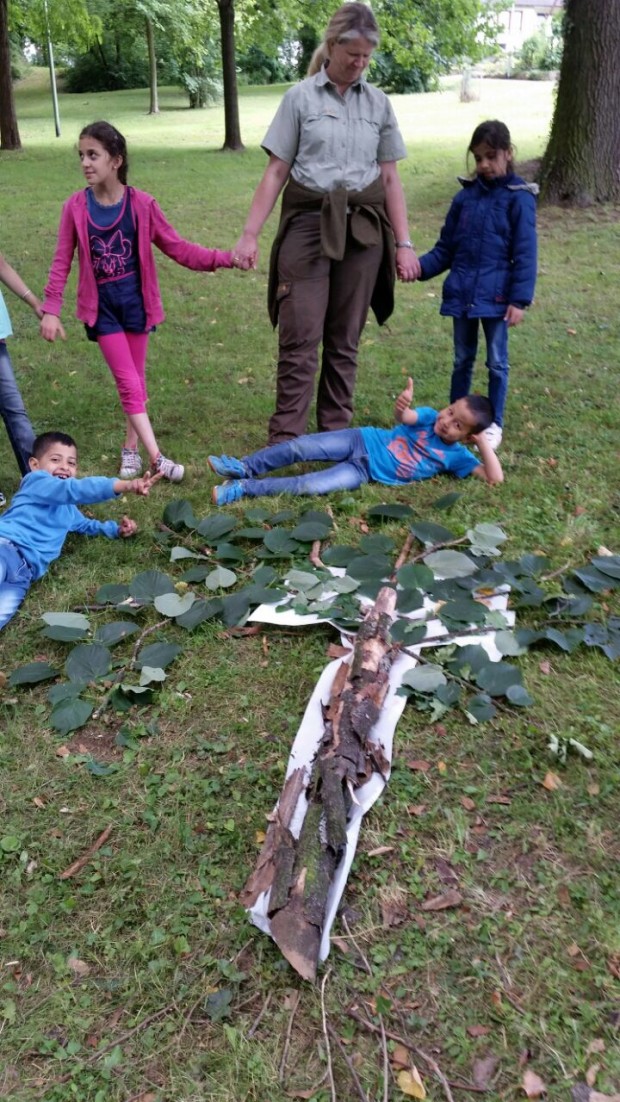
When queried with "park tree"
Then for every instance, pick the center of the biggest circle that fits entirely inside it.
(232, 126)
(9, 130)
(581, 164)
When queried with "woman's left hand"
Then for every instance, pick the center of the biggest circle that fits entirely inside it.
(407, 265)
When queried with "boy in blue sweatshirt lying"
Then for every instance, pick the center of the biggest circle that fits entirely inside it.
(44, 510)
(424, 442)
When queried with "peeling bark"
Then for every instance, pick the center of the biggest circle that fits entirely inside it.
(300, 871)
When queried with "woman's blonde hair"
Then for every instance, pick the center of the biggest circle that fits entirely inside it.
(352, 20)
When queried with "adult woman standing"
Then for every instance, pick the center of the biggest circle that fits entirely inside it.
(343, 229)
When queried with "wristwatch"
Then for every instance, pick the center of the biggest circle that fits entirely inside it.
(404, 245)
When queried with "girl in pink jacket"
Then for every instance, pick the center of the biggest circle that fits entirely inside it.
(113, 228)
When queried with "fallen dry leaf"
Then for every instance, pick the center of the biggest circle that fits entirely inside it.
(468, 803)
(499, 800)
(572, 332)
(613, 965)
(78, 967)
(62, 752)
(442, 767)
(416, 809)
(393, 913)
(38, 802)
(301, 1094)
(545, 667)
(379, 851)
(451, 898)
(410, 1083)
(596, 1096)
(419, 766)
(400, 1057)
(579, 510)
(335, 650)
(532, 1084)
(478, 1030)
(483, 1071)
(595, 1046)
(592, 1073)
(594, 789)
(551, 781)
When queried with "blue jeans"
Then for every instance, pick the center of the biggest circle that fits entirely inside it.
(465, 349)
(13, 413)
(15, 580)
(344, 447)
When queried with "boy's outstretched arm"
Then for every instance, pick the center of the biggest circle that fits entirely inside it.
(490, 470)
(403, 414)
(141, 486)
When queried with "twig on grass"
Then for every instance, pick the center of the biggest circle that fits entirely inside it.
(77, 865)
(259, 1017)
(386, 1061)
(343, 1052)
(120, 673)
(315, 554)
(432, 1064)
(287, 1039)
(328, 1051)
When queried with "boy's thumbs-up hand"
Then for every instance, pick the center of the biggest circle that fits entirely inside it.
(405, 398)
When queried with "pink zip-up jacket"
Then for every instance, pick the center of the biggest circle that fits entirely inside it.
(152, 229)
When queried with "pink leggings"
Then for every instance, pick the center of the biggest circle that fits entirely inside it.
(125, 355)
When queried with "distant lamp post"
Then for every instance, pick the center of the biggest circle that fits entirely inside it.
(50, 61)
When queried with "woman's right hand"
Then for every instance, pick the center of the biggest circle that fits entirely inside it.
(52, 327)
(245, 252)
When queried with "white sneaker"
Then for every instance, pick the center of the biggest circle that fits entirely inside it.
(494, 435)
(131, 463)
(172, 471)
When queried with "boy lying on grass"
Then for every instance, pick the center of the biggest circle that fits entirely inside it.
(44, 510)
(422, 444)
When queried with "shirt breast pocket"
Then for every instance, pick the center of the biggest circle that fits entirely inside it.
(319, 135)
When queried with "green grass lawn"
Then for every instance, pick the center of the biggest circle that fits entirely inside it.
(165, 1004)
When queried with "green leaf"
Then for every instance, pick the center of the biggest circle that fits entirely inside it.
(149, 674)
(158, 655)
(497, 677)
(608, 564)
(196, 574)
(390, 512)
(424, 679)
(174, 604)
(111, 594)
(229, 552)
(10, 843)
(179, 553)
(68, 715)
(376, 543)
(64, 634)
(220, 578)
(338, 555)
(67, 690)
(466, 611)
(472, 657)
(282, 517)
(303, 580)
(99, 769)
(446, 501)
(264, 575)
(279, 542)
(149, 585)
(450, 564)
(508, 644)
(67, 620)
(258, 514)
(250, 534)
(371, 567)
(235, 608)
(595, 580)
(345, 584)
(415, 576)
(110, 634)
(217, 1005)
(409, 600)
(429, 533)
(518, 694)
(309, 531)
(199, 612)
(179, 514)
(487, 537)
(88, 662)
(407, 632)
(32, 673)
(480, 708)
(212, 528)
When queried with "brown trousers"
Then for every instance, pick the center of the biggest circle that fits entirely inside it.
(319, 300)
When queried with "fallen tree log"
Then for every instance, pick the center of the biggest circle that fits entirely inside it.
(297, 871)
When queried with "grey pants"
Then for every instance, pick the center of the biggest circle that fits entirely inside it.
(320, 300)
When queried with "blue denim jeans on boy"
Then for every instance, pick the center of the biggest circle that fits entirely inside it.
(13, 413)
(15, 580)
(465, 349)
(344, 447)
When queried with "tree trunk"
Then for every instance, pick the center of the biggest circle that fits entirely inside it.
(298, 872)
(9, 131)
(150, 41)
(232, 128)
(581, 164)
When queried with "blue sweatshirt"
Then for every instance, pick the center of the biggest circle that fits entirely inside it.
(44, 510)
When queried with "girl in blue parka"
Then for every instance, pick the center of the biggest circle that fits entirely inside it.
(488, 243)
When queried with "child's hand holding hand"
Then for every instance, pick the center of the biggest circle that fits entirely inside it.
(404, 399)
(51, 327)
(127, 527)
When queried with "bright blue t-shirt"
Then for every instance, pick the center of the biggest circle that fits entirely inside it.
(45, 509)
(409, 453)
